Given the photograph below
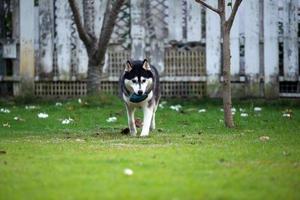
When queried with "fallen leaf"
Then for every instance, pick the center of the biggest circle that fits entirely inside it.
(264, 138)
(6, 125)
(138, 123)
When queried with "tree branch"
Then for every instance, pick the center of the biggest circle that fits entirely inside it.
(208, 6)
(108, 27)
(233, 13)
(84, 36)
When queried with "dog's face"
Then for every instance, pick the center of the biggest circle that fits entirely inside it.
(138, 77)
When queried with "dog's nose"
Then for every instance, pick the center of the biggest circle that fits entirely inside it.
(140, 92)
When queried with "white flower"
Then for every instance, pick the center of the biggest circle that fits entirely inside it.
(221, 109)
(58, 104)
(30, 107)
(43, 115)
(162, 104)
(264, 138)
(233, 113)
(257, 109)
(286, 115)
(233, 110)
(242, 110)
(67, 121)
(79, 101)
(18, 119)
(4, 110)
(202, 110)
(244, 114)
(79, 140)
(6, 125)
(128, 172)
(111, 119)
(176, 107)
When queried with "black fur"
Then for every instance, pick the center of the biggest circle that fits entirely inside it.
(139, 71)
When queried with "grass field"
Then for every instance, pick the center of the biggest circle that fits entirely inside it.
(191, 155)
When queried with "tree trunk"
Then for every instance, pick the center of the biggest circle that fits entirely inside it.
(93, 77)
(226, 76)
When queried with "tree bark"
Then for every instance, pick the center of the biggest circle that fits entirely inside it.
(227, 103)
(93, 77)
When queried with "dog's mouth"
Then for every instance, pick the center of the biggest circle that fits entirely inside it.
(138, 98)
(138, 94)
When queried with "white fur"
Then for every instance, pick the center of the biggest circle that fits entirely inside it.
(148, 111)
(135, 87)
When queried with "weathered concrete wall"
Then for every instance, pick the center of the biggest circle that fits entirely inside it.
(155, 25)
(252, 56)
(213, 52)
(271, 60)
(290, 26)
(27, 47)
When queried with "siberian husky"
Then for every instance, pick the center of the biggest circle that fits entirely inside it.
(139, 87)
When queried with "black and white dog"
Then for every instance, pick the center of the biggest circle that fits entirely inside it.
(139, 87)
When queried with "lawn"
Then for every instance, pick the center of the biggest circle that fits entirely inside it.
(191, 155)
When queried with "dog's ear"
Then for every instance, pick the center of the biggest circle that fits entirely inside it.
(146, 65)
(128, 66)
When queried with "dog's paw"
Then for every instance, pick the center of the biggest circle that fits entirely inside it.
(144, 135)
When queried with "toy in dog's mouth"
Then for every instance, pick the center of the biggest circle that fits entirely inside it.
(137, 98)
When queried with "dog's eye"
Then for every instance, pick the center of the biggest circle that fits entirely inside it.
(134, 81)
(143, 81)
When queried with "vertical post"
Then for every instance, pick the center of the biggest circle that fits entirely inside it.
(63, 38)
(16, 35)
(46, 36)
(194, 33)
(27, 46)
(99, 7)
(252, 47)
(237, 88)
(235, 43)
(81, 54)
(137, 29)
(175, 20)
(213, 53)
(290, 43)
(158, 23)
(271, 59)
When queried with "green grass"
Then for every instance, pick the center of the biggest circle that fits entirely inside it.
(190, 156)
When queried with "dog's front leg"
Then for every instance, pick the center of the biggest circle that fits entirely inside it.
(131, 121)
(148, 113)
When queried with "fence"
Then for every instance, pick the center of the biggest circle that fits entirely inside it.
(181, 38)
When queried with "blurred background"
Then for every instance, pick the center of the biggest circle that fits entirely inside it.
(41, 53)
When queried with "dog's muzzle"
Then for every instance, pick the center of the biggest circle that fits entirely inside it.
(136, 98)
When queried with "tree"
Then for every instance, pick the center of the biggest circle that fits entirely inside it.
(226, 25)
(96, 47)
